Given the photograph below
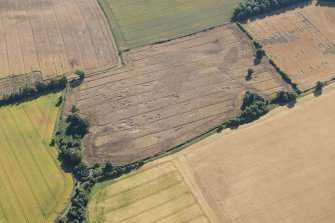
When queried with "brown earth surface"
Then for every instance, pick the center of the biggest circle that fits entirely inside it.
(301, 41)
(169, 93)
(277, 169)
(54, 37)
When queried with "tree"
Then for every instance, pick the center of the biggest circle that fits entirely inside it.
(74, 109)
(78, 125)
(284, 97)
(319, 85)
(250, 72)
(80, 73)
(108, 167)
(259, 54)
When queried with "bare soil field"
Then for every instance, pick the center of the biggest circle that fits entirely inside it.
(53, 36)
(300, 41)
(169, 93)
(277, 169)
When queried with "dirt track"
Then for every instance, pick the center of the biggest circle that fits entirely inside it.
(301, 41)
(170, 93)
(53, 36)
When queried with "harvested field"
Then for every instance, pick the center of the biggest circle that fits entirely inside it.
(53, 36)
(169, 93)
(157, 194)
(159, 20)
(301, 41)
(33, 186)
(277, 169)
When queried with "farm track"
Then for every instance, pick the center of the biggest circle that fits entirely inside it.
(53, 37)
(169, 93)
(42, 184)
(300, 42)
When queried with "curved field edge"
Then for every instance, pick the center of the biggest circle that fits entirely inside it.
(35, 187)
(225, 180)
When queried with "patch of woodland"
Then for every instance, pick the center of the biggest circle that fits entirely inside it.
(254, 106)
(69, 137)
(251, 8)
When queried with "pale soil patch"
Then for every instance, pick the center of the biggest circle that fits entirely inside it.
(55, 37)
(169, 93)
(300, 41)
(277, 169)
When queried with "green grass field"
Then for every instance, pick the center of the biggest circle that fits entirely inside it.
(142, 22)
(33, 186)
(156, 194)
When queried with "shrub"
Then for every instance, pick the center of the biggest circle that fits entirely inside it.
(319, 85)
(284, 97)
(81, 74)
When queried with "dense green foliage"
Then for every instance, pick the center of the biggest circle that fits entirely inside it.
(252, 8)
(40, 88)
(284, 97)
(81, 74)
(253, 107)
(319, 85)
(97, 173)
(68, 138)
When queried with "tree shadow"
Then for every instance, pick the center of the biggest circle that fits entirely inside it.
(291, 104)
(257, 61)
(219, 129)
(247, 78)
(325, 3)
(317, 93)
(76, 82)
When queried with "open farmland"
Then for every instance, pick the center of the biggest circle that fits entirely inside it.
(169, 93)
(142, 22)
(33, 186)
(287, 176)
(53, 36)
(300, 41)
(157, 194)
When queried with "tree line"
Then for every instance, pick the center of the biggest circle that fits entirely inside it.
(252, 8)
(39, 88)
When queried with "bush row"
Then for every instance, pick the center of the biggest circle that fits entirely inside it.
(40, 88)
(98, 173)
(252, 8)
(284, 76)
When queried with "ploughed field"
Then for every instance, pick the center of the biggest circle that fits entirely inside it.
(277, 169)
(169, 93)
(300, 41)
(33, 186)
(142, 22)
(54, 37)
